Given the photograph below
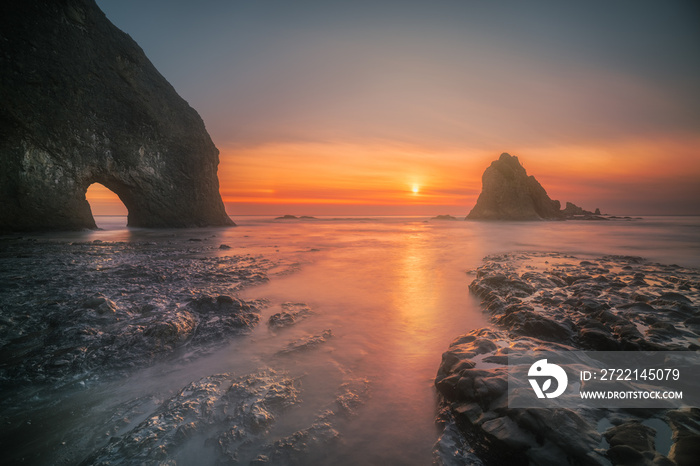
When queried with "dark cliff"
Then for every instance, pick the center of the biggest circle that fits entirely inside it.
(80, 103)
(508, 193)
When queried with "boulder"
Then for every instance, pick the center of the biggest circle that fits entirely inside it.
(291, 314)
(634, 434)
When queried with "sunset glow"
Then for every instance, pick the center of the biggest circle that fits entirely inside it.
(366, 179)
(374, 180)
(343, 109)
(103, 201)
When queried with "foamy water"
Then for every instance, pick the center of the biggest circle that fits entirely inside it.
(393, 292)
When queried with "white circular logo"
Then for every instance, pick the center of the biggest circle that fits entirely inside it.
(541, 370)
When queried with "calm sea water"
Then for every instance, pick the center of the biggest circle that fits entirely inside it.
(394, 293)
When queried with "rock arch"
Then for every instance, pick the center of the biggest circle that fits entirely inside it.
(80, 103)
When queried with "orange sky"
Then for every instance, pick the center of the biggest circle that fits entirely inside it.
(340, 108)
(331, 179)
(379, 179)
(103, 201)
(374, 179)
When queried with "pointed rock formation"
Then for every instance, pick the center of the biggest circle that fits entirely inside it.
(80, 103)
(508, 193)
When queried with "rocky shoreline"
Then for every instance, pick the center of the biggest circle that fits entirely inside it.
(78, 316)
(557, 302)
(80, 310)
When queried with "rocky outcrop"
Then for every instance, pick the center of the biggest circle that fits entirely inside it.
(234, 411)
(572, 209)
(306, 343)
(80, 103)
(557, 303)
(508, 193)
(574, 212)
(290, 315)
(228, 419)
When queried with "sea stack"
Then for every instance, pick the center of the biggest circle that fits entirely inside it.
(81, 103)
(508, 193)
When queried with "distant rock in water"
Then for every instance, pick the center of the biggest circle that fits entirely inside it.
(444, 217)
(508, 193)
(81, 104)
(572, 211)
(294, 217)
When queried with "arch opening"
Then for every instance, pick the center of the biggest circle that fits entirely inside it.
(108, 210)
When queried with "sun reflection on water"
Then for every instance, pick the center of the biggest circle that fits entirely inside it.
(415, 293)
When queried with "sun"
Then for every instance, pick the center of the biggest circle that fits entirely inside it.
(415, 189)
